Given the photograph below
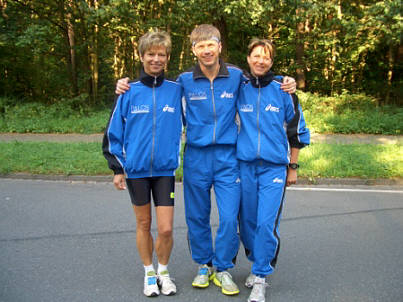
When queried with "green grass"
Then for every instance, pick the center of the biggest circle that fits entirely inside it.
(318, 160)
(338, 114)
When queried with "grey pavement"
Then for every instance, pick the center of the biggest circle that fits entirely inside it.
(328, 138)
(75, 241)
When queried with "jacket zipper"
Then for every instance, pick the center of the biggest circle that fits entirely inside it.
(154, 122)
(215, 115)
(258, 127)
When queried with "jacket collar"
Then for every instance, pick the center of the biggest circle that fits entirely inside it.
(151, 81)
(262, 81)
(222, 72)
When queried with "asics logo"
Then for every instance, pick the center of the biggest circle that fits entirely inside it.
(278, 180)
(168, 109)
(140, 109)
(272, 108)
(227, 95)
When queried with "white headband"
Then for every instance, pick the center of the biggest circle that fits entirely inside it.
(214, 38)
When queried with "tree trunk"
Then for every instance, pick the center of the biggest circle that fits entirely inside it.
(70, 38)
(300, 52)
(221, 24)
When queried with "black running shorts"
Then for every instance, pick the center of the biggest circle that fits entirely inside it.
(162, 188)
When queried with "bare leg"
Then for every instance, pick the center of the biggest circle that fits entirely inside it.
(164, 242)
(144, 239)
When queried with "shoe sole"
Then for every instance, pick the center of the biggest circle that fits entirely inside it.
(212, 277)
(225, 292)
(169, 294)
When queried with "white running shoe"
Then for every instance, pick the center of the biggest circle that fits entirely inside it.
(203, 277)
(258, 293)
(167, 286)
(150, 285)
(224, 280)
(250, 280)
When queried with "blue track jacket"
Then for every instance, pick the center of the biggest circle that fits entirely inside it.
(271, 121)
(143, 135)
(210, 106)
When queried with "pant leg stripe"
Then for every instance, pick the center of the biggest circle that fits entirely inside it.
(273, 262)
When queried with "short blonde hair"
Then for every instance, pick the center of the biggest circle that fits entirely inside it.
(155, 38)
(204, 32)
(267, 45)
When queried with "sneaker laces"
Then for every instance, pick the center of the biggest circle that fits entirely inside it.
(203, 270)
(226, 278)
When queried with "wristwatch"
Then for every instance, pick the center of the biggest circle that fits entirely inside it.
(293, 166)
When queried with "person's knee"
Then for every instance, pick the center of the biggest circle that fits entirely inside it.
(144, 224)
(165, 231)
(229, 220)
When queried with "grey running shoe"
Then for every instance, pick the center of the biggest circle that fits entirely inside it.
(150, 285)
(166, 284)
(203, 277)
(258, 293)
(224, 280)
(250, 280)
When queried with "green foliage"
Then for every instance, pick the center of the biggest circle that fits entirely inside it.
(51, 51)
(339, 114)
(346, 113)
(68, 116)
(317, 160)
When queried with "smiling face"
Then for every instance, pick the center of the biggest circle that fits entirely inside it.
(207, 52)
(154, 60)
(259, 60)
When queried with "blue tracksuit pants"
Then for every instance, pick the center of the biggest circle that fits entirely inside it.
(263, 189)
(203, 168)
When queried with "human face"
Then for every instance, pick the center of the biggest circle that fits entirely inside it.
(154, 60)
(259, 61)
(207, 52)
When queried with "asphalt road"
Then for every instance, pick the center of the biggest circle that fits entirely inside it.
(74, 241)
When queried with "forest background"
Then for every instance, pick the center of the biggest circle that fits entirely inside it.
(59, 62)
(62, 58)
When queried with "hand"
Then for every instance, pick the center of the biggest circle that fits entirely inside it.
(119, 182)
(291, 177)
(122, 86)
(289, 85)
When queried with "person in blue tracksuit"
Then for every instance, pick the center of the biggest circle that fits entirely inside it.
(142, 143)
(210, 90)
(272, 131)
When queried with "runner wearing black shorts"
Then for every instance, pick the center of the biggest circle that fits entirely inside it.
(162, 189)
(141, 144)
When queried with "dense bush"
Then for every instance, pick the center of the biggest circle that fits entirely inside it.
(346, 113)
(342, 114)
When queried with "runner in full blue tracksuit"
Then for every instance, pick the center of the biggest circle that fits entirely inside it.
(211, 91)
(272, 125)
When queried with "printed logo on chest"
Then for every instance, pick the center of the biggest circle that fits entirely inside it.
(246, 108)
(139, 109)
(227, 95)
(272, 108)
(168, 109)
(197, 96)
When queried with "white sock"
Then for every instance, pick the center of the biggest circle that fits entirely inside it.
(148, 268)
(162, 267)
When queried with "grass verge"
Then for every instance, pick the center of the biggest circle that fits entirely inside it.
(318, 160)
